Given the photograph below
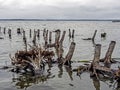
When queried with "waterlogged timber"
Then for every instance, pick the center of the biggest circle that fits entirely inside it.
(55, 57)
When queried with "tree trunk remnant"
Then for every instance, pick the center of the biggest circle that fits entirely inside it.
(34, 38)
(57, 36)
(4, 30)
(69, 33)
(50, 37)
(93, 38)
(9, 33)
(73, 33)
(67, 60)
(108, 55)
(38, 33)
(30, 33)
(96, 59)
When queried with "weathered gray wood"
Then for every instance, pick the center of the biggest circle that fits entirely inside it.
(67, 60)
(96, 55)
(38, 33)
(57, 36)
(109, 52)
(9, 33)
(73, 33)
(4, 30)
(30, 33)
(50, 37)
(93, 38)
(34, 38)
(69, 33)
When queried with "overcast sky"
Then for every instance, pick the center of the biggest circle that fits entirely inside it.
(60, 9)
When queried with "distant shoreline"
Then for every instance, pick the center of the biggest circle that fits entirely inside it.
(58, 19)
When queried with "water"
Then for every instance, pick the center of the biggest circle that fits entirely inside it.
(58, 79)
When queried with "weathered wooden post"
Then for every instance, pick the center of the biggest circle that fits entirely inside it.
(109, 52)
(30, 33)
(46, 38)
(96, 59)
(67, 60)
(18, 31)
(4, 30)
(69, 33)
(38, 33)
(24, 35)
(93, 38)
(57, 36)
(0, 29)
(73, 33)
(44, 31)
(50, 37)
(25, 40)
(34, 38)
(9, 33)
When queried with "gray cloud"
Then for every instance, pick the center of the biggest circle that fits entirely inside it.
(68, 9)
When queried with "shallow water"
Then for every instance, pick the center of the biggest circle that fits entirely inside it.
(57, 78)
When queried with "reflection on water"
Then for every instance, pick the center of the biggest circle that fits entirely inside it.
(25, 81)
(61, 78)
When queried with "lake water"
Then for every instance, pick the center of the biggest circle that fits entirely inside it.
(58, 79)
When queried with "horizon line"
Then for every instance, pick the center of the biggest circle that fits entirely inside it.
(13, 19)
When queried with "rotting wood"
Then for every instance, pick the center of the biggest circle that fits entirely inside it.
(107, 59)
(4, 30)
(38, 33)
(67, 60)
(18, 31)
(50, 37)
(70, 33)
(9, 33)
(73, 33)
(96, 59)
(34, 39)
(30, 34)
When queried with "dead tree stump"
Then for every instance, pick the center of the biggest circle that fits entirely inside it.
(96, 59)
(34, 38)
(4, 30)
(109, 52)
(38, 33)
(69, 33)
(73, 33)
(50, 37)
(9, 33)
(30, 33)
(67, 60)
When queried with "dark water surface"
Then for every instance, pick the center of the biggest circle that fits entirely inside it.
(58, 78)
